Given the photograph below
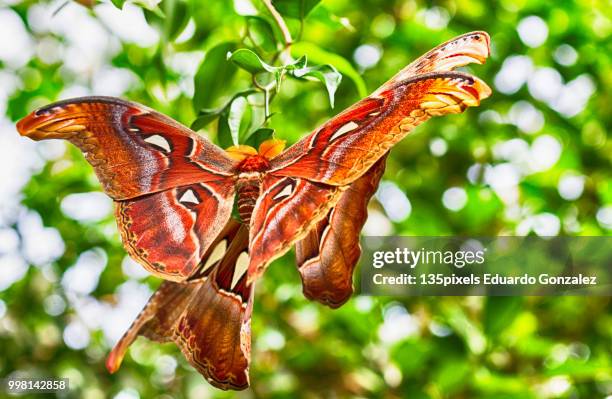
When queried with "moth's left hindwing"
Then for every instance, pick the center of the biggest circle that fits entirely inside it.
(209, 317)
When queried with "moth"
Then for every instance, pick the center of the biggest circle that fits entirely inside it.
(174, 192)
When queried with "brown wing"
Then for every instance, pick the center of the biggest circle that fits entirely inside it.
(214, 332)
(133, 149)
(170, 231)
(286, 210)
(174, 189)
(349, 144)
(327, 256)
(341, 152)
(469, 48)
(350, 150)
(157, 319)
(207, 317)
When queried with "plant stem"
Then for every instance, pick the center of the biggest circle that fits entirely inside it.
(266, 104)
(279, 21)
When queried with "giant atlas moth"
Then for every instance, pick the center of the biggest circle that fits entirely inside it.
(174, 192)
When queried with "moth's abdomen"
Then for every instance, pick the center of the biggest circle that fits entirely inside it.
(247, 190)
(250, 174)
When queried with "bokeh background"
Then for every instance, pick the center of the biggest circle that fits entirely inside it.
(533, 159)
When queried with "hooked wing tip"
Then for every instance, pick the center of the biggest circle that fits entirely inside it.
(63, 119)
(480, 46)
(49, 123)
(484, 91)
(478, 90)
(113, 361)
(27, 125)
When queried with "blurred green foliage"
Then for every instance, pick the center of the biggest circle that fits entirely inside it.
(533, 159)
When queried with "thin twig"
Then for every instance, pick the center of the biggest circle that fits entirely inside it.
(266, 104)
(279, 21)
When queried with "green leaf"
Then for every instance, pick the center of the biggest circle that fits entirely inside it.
(118, 3)
(265, 79)
(236, 212)
(327, 74)
(251, 62)
(261, 33)
(158, 67)
(323, 15)
(258, 115)
(205, 117)
(412, 356)
(452, 376)
(236, 112)
(465, 327)
(259, 136)
(320, 56)
(177, 18)
(170, 20)
(214, 76)
(297, 64)
(578, 368)
(499, 313)
(151, 5)
(295, 8)
(224, 134)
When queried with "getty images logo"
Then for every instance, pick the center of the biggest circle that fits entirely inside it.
(422, 256)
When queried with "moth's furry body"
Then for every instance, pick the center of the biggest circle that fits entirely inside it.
(251, 172)
(247, 191)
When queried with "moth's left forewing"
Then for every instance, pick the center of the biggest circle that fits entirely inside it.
(173, 188)
(133, 149)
